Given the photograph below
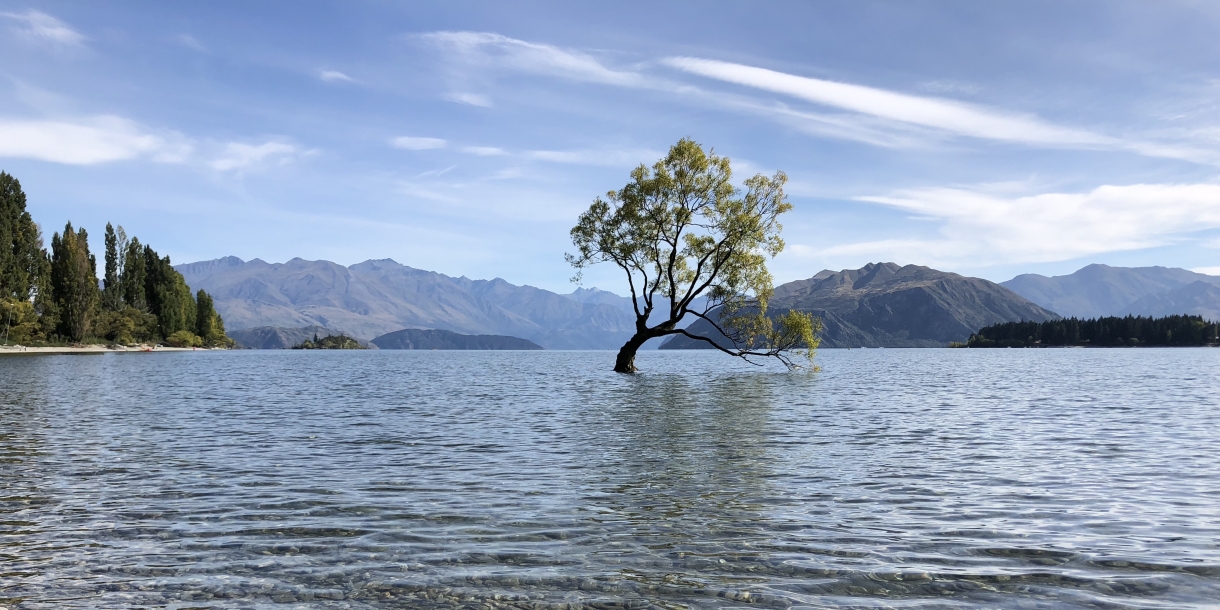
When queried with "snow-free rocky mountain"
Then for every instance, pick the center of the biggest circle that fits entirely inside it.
(377, 297)
(1101, 290)
(886, 305)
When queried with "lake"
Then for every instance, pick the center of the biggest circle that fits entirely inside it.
(1054, 478)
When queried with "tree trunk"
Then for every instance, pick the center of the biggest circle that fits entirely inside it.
(625, 362)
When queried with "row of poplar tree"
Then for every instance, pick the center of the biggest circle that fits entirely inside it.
(56, 298)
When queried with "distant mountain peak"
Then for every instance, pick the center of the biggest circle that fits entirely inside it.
(887, 305)
(381, 261)
(1097, 290)
(581, 291)
(378, 296)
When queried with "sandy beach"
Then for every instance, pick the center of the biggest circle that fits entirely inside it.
(93, 349)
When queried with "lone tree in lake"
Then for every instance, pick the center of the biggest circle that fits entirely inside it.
(681, 230)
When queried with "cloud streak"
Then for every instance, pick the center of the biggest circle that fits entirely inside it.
(417, 143)
(334, 76)
(603, 158)
(88, 141)
(471, 99)
(980, 228)
(39, 27)
(937, 113)
(497, 51)
(239, 157)
(484, 151)
(871, 115)
(899, 118)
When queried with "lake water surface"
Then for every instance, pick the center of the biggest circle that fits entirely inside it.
(1061, 478)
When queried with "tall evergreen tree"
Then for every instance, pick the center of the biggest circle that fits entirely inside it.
(169, 298)
(116, 251)
(74, 282)
(22, 258)
(133, 276)
(208, 324)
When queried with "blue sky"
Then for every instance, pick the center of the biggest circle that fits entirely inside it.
(985, 138)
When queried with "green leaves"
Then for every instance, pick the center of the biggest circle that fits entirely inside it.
(74, 282)
(681, 230)
(23, 262)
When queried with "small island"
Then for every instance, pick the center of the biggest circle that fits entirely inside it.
(421, 338)
(339, 341)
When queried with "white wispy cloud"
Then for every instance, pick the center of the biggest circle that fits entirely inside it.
(843, 126)
(417, 143)
(334, 76)
(945, 85)
(1207, 270)
(897, 114)
(38, 27)
(979, 228)
(239, 156)
(470, 99)
(484, 151)
(871, 115)
(494, 50)
(607, 158)
(938, 113)
(106, 139)
(192, 43)
(88, 141)
(432, 173)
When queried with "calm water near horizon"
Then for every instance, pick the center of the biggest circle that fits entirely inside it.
(1063, 478)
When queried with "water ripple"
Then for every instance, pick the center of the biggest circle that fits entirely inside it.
(891, 479)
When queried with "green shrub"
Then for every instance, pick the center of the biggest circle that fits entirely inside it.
(184, 338)
(18, 322)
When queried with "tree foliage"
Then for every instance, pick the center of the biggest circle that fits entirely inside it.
(681, 230)
(208, 324)
(56, 297)
(169, 298)
(23, 262)
(116, 255)
(339, 341)
(133, 277)
(74, 282)
(1175, 331)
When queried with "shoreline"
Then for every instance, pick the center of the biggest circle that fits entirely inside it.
(17, 350)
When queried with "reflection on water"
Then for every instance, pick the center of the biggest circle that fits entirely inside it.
(893, 478)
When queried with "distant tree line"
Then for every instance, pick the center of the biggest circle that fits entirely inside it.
(1131, 331)
(55, 297)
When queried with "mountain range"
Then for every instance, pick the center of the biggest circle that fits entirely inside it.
(882, 304)
(887, 305)
(1101, 290)
(376, 297)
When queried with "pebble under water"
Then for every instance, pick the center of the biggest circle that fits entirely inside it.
(1056, 478)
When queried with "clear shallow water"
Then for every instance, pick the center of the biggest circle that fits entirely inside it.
(891, 479)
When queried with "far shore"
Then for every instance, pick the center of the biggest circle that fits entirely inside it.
(93, 349)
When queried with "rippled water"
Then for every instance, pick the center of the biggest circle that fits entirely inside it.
(891, 479)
